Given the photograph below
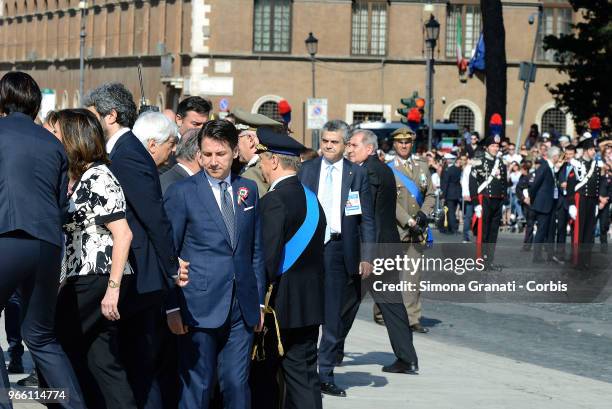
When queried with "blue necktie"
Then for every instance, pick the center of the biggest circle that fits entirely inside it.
(227, 210)
(328, 193)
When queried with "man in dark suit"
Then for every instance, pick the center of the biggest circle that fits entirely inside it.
(361, 150)
(186, 161)
(33, 196)
(344, 193)
(152, 255)
(543, 195)
(450, 185)
(295, 269)
(217, 229)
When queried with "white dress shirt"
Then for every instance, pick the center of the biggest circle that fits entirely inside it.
(277, 181)
(110, 144)
(334, 214)
(216, 189)
(465, 180)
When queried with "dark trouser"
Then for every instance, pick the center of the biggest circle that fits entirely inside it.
(336, 279)
(562, 221)
(393, 313)
(453, 224)
(169, 379)
(12, 325)
(141, 330)
(91, 343)
(491, 218)
(530, 222)
(586, 230)
(468, 212)
(604, 224)
(543, 221)
(223, 351)
(35, 265)
(303, 390)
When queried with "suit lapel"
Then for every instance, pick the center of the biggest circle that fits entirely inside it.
(238, 209)
(207, 197)
(347, 180)
(316, 174)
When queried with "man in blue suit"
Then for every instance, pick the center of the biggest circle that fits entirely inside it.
(216, 225)
(152, 255)
(343, 190)
(543, 196)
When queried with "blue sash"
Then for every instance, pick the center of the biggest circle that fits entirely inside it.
(298, 243)
(414, 191)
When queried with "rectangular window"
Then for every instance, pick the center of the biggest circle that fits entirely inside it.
(463, 22)
(361, 116)
(272, 26)
(369, 27)
(555, 21)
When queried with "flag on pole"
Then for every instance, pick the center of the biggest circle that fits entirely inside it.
(477, 63)
(459, 38)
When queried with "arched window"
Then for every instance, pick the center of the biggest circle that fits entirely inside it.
(270, 109)
(463, 116)
(76, 99)
(554, 121)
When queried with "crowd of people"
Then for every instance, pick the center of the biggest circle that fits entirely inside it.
(174, 259)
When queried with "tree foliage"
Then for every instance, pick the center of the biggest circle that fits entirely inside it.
(584, 57)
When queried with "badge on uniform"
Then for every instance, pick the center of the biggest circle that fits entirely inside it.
(353, 204)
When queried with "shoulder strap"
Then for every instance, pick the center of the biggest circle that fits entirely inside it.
(408, 184)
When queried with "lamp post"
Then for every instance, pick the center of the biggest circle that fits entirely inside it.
(530, 75)
(432, 32)
(312, 45)
(83, 8)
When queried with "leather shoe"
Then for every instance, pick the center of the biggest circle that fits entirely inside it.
(330, 388)
(410, 368)
(419, 328)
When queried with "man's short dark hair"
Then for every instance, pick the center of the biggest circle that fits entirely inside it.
(198, 104)
(570, 148)
(219, 130)
(19, 93)
(113, 96)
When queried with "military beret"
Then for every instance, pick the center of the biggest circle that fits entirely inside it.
(403, 134)
(247, 120)
(277, 142)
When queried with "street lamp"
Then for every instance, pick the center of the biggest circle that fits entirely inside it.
(312, 45)
(529, 76)
(432, 32)
(83, 8)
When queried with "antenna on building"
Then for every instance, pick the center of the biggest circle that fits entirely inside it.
(143, 101)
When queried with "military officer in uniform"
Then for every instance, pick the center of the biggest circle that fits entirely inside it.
(415, 202)
(293, 225)
(247, 124)
(583, 188)
(488, 188)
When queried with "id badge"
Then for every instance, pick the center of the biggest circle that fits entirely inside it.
(353, 204)
(556, 193)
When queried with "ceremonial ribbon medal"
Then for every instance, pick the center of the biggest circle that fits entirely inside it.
(243, 193)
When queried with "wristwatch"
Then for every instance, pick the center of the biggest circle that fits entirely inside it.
(113, 284)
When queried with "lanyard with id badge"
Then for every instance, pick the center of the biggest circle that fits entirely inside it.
(353, 204)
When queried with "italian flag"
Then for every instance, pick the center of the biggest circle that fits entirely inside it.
(459, 39)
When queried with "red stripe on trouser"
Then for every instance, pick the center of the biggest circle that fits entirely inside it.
(576, 236)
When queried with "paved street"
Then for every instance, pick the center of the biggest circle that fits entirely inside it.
(481, 356)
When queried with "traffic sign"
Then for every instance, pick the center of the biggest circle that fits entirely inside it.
(316, 113)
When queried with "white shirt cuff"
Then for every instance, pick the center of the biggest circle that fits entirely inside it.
(172, 310)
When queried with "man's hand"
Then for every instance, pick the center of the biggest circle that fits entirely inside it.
(467, 198)
(182, 278)
(527, 201)
(573, 212)
(411, 222)
(478, 211)
(563, 185)
(365, 269)
(259, 327)
(175, 323)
